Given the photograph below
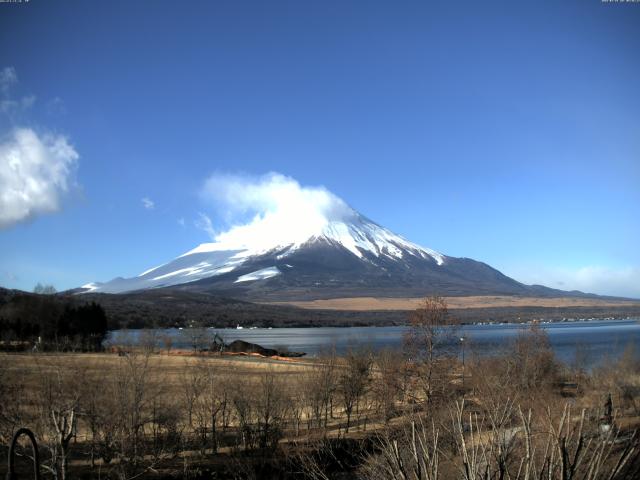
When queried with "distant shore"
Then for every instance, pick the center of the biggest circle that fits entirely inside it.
(469, 302)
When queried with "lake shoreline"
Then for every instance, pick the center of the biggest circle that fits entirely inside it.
(600, 339)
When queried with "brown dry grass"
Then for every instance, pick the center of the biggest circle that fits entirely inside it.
(168, 371)
(409, 303)
(164, 370)
(171, 365)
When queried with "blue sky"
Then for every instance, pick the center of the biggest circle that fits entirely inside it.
(501, 131)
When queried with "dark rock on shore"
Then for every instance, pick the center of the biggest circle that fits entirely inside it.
(240, 346)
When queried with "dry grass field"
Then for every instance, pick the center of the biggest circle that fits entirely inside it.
(153, 414)
(408, 303)
(165, 371)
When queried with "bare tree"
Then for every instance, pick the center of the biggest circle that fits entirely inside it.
(296, 399)
(271, 408)
(413, 454)
(196, 338)
(532, 361)
(243, 406)
(353, 380)
(388, 382)
(130, 407)
(12, 390)
(167, 341)
(58, 400)
(44, 289)
(320, 385)
(225, 385)
(507, 443)
(148, 340)
(192, 385)
(210, 399)
(425, 344)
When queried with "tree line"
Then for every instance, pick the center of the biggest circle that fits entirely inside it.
(49, 322)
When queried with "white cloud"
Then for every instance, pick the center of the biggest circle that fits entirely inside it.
(35, 169)
(204, 223)
(271, 208)
(181, 221)
(148, 203)
(28, 101)
(55, 106)
(8, 78)
(8, 105)
(35, 173)
(603, 280)
(11, 107)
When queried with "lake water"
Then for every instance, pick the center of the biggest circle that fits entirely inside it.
(592, 340)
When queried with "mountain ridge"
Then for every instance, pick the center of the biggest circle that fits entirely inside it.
(348, 256)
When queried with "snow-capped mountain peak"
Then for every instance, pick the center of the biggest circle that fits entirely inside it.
(363, 235)
(239, 248)
(358, 235)
(297, 242)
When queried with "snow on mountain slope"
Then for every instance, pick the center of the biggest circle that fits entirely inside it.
(363, 235)
(357, 234)
(259, 275)
(364, 239)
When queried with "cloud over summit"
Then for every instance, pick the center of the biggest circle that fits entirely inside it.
(270, 206)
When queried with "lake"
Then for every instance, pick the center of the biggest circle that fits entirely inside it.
(592, 340)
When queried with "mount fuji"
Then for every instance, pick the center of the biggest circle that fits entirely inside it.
(322, 256)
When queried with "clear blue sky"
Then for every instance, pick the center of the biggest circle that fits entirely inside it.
(508, 132)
